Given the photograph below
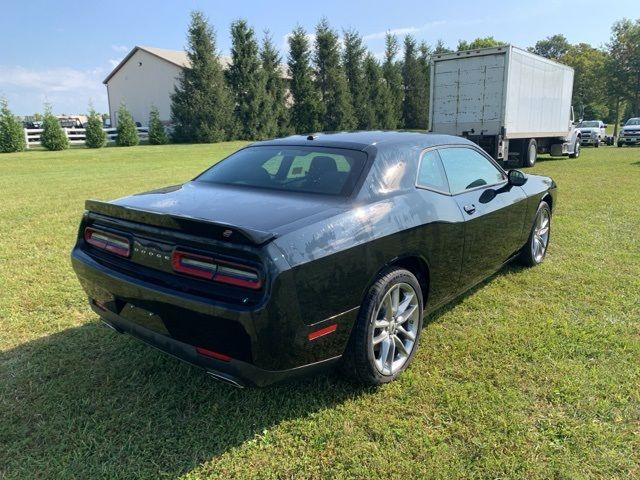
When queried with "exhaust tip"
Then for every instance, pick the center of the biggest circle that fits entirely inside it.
(225, 379)
(112, 327)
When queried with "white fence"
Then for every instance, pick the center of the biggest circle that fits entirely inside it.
(77, 136)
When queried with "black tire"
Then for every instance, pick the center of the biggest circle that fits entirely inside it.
(597, 144)
(359, 361)
(576, 149)
(527, 256)
(619, 144)
(529, 153)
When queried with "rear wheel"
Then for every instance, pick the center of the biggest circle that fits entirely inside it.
(530, 153)
(385, 337)
(535, 249)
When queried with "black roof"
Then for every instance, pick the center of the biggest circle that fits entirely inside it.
(362, 139)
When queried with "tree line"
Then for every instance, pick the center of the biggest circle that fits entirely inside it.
(328, 84)
(332, 82)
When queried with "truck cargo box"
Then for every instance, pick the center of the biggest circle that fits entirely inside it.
(502, 91)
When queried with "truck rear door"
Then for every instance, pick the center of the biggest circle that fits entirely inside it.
(467, 95)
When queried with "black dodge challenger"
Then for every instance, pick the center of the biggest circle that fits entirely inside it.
(296, 254)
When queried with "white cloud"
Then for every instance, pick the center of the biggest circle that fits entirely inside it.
(403, 30)
(120, 48)
(114, 62)
(67, 89)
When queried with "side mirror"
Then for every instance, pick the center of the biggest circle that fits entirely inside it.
(605, 125)
(516, 178)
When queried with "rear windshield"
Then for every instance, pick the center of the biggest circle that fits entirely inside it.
(327, 171)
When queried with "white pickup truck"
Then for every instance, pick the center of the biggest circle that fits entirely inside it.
(592, 132)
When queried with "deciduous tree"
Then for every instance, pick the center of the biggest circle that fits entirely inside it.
(552, 47)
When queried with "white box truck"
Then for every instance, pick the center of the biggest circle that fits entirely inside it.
(512, 103)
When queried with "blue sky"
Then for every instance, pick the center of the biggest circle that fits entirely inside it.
(60, 51)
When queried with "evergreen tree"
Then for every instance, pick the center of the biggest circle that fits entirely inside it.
(95, 137)
(392, 73)
(415, 105)
(247, 83)
(157, 133)
(354, 54)
(277, 122)
(11, 132)
(424, 62)
(305, 111)
(127, 132)
(201, 105)
(330, 81)
(379, 113)
(52, 137)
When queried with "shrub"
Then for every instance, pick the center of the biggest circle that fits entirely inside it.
(157, 134)
(127, 133)
(53, 137)
(95, 136)
(11, 133)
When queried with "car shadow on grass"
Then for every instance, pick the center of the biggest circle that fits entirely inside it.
(89, 403)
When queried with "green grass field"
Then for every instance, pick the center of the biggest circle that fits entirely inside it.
(535, 374)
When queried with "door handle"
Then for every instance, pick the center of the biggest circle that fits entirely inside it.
(470, 209)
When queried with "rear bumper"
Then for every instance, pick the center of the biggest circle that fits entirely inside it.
(238, 373)
(266, 344)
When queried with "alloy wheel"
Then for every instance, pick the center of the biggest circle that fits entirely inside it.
(540, 235)
(395, 331)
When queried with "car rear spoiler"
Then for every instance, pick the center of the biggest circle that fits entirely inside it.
(193, 225)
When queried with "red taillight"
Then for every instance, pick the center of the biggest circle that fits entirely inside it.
(211, 268)
(107, 241)
(212, 354)
(192, 264)
(239, 275)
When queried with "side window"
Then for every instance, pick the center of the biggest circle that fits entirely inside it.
(431, 174)
(466, 168)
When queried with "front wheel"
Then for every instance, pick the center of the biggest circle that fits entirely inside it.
(576, 150)
(597, 144)
(385, 337)
(535, 249)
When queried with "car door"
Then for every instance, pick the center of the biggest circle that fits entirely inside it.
(493, 211)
